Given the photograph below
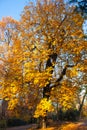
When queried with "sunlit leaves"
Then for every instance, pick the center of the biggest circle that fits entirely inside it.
(43, 107)
(12, 103)
(40, 52)
(65, 95)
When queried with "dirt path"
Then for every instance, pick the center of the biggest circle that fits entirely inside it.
(82, 125)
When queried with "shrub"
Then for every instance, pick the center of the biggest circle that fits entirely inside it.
(15, 122)
(2, 124)
(69, 115)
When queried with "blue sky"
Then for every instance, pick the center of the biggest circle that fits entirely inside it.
(12, 8)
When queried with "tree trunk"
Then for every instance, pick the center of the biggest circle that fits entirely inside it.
(57, 111)
(44, 122)
(81, 105)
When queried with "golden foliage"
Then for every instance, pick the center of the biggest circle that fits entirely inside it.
(43, 107)
(34, 52)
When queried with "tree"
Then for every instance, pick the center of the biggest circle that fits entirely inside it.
(53, 38)
(52, 56)
(10, 67)
(81, 6)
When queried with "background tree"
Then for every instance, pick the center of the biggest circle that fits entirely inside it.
(12, 68)
(81, 6)
(9, 59)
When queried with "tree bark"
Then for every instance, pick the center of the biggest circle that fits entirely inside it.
(81, 105)
(44, 123)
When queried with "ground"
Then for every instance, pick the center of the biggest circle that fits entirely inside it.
(26, 127)
(81, 125)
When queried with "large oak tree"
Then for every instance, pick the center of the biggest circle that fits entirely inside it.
(47, 58)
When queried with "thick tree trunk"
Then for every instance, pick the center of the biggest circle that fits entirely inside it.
(44, 125)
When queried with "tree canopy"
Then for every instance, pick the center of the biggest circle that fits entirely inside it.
(43, 57)
(81, 6)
